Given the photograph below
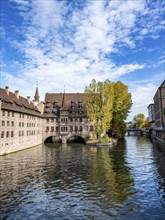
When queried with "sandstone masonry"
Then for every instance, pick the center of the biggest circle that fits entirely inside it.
(25, 123)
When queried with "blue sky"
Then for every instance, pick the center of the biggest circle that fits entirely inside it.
(71, 42)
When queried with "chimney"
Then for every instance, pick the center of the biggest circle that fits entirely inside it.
(28, 98)
(17, 94)
(7, 90)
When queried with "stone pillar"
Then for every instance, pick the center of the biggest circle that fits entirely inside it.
(64, 140)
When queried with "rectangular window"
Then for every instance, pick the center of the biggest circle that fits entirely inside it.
(12, 133)
(22, 124)
(2, 134)
(7, 134)
(64, 129)
(71, 119)
(19, 133)
(71, 128)
(3, 113)
(80, 119)
(47, 128)
(47, 119)
(8, 113)
(22, 133)
(3, 123)
(8, 123)
(56, 129)
(52, 129)
(12, 123)
(19, 124)
(76, 128)
(52, 119)
(64, 119)
(12, 114)
(80, 128)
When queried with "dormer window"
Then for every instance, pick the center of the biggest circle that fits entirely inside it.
(79, 103)
(55, 110)
(48, 104)
(55, 104)
(72, 104)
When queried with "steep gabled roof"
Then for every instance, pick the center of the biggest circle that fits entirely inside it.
(10, 102)
(63, 102)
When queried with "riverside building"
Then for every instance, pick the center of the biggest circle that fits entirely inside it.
(25, 123)
(20, 122)
(157, 113)
(64, 117)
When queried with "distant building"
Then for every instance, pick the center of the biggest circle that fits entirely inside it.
(151, 114)
(159, 105)
(157, 113)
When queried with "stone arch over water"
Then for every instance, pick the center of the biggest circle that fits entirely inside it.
(53, 139)
(76, 139)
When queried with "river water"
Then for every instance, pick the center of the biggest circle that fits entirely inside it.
(126, 181)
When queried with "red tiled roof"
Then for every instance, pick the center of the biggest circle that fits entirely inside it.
(10, 102)
(64, 102)
(69, 97)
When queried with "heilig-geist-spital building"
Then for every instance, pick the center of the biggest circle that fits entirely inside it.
(25, 123)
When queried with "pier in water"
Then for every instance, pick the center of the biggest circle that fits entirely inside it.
(82, 182)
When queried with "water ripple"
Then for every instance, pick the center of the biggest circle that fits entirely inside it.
(123, 182)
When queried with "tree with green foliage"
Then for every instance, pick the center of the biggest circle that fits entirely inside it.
(107, 106)
(140, 121)
(99, 99)
(121, 105)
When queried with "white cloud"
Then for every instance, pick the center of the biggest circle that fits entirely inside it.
(63, 44)
(142, 96)
(143, 92)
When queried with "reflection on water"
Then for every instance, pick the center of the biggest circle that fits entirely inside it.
(126, 181)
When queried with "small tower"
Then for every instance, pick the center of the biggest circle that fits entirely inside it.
(63, 100)
(36, 97)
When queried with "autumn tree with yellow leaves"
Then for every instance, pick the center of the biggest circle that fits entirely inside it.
(107, 106)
